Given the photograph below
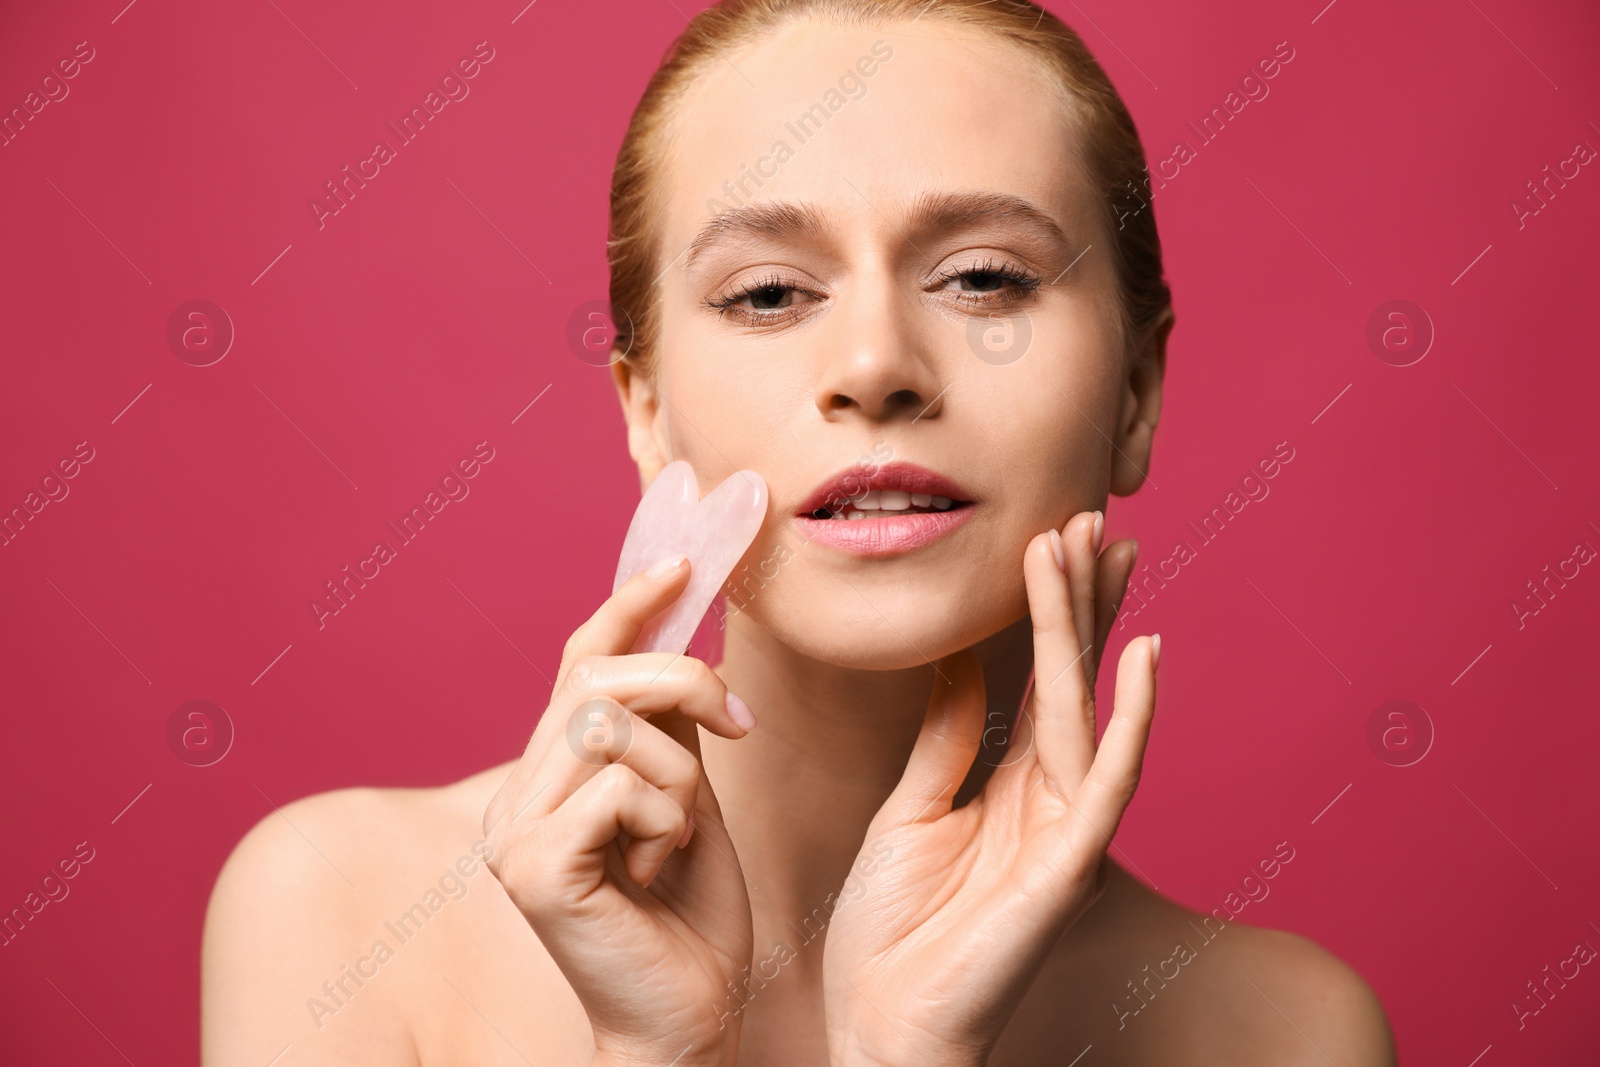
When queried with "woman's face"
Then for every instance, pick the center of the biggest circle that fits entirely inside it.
(884, 269)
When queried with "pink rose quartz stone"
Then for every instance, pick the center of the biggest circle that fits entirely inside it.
(714, 533)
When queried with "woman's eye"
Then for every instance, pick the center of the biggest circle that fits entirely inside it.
(773, 301)
(987, 282)
(770, 297)
(765, 303)
(981, 281)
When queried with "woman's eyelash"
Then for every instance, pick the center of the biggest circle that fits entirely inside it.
(1022, 283)
(1023, 279)
(724, 303)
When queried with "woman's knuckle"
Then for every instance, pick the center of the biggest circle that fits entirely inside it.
(1050, 625)
(584, 677)
(615, 781)
(683, 771)
(504, 861)
(495, 861)
(491, 814)
(701, 674)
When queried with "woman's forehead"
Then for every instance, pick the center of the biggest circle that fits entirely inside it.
(863, 123)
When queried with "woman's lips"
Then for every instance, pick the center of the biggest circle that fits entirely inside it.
(858, 485)
(887, 533)
(884, 510)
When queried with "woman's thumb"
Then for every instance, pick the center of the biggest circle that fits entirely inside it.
(948, 743)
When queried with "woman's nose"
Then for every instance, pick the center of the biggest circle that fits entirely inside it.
(875, 366)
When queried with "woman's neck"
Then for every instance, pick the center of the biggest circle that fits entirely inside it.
(830, 746)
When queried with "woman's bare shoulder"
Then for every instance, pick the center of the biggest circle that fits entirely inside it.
(355, 839)
(321, 892)
(1298, 1002)
(1152, 981)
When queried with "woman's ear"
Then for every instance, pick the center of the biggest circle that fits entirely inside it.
(642, 409)
(1141, 409)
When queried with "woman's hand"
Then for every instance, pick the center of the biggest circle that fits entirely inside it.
(588, 829)
(928, 963)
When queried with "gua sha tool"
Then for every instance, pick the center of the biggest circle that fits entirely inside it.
(714, 533)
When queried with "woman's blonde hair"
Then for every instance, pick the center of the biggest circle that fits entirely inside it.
(1112, 154)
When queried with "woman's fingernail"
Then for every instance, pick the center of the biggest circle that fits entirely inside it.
(1099, 530)
(663, 567)
(1135, 558)
(688, 831)
(1155, 651)
(740, 713)
(1059, 550)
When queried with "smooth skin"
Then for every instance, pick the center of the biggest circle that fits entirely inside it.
(647, 948)
(929, 964)
(983, 921)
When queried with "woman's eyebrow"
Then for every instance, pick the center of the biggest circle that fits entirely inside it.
(930, 213)
(938, 212)
(773, 220)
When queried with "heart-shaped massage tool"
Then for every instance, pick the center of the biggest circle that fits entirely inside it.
(714, 533)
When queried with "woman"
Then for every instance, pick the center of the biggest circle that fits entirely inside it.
(885, 254)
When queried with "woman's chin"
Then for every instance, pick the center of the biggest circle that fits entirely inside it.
(886, 633)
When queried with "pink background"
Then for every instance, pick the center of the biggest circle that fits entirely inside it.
(425, 317)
